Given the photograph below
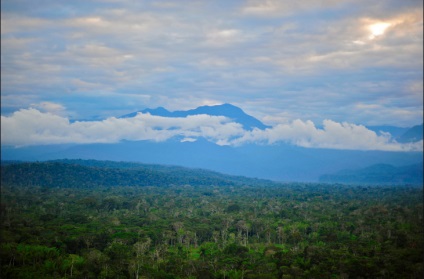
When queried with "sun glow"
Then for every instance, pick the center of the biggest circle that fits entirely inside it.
(378, 29)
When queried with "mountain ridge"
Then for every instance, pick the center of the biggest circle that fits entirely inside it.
(378, 174)
(228, 110)
(91, 173)
(400, 134)
(279, 162)
(413, 134)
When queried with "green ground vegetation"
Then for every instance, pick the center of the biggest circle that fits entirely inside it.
(211, 231)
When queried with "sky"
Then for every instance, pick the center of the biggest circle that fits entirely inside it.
(290, 64)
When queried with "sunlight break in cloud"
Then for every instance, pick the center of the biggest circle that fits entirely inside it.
(32, 127)
(378, 29)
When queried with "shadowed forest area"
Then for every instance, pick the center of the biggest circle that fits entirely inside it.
(182, 223)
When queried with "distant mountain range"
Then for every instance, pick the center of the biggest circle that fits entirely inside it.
(412, 135)
(402, 135)
(378, 174)
(280, 161)
(234, 113)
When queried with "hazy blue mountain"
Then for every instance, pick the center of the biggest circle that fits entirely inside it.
(401, 134)
(378, 174)
(393, 130)
(282, 162)
(227, 110)
(160, 111)
(412, 135)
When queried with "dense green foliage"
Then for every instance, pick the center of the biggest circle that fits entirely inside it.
(170, 230)
(92, 173)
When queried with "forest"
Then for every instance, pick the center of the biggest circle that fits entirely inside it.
(91, 219)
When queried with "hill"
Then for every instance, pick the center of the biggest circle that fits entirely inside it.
(92, 173)
(378, 174)
(68, 219)
(282, 162)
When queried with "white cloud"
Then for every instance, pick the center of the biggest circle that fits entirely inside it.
(15, 23)
(50, 107)
(334, 135)
(258, 51)
(278, 8)
(33, 127)
(223, 38)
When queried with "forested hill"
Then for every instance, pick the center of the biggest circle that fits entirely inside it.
(92, 173)
(256, 229)
(382, 174)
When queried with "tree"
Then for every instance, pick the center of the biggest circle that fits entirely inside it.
(140, 249)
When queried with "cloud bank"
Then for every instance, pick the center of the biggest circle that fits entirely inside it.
(34, 127)
(359, 61)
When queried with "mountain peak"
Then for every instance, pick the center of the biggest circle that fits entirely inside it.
(157, 111)
(228, 110)
(220, 109)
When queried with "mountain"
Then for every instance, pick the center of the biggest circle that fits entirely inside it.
(378, 174)
(281, 162)
(230, 111)
(394, 131)
(412, 135)
(160, 111)
(400, 134)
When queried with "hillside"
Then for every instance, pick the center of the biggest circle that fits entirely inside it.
(91, 173)
(378, 174)
(68, 219)
(282, 162)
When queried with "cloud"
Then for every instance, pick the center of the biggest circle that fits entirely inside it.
(223, 38)
(334, 135)
(50, 107)
(276, 8)
(33, 127)
(16, 23)
(312, 59)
